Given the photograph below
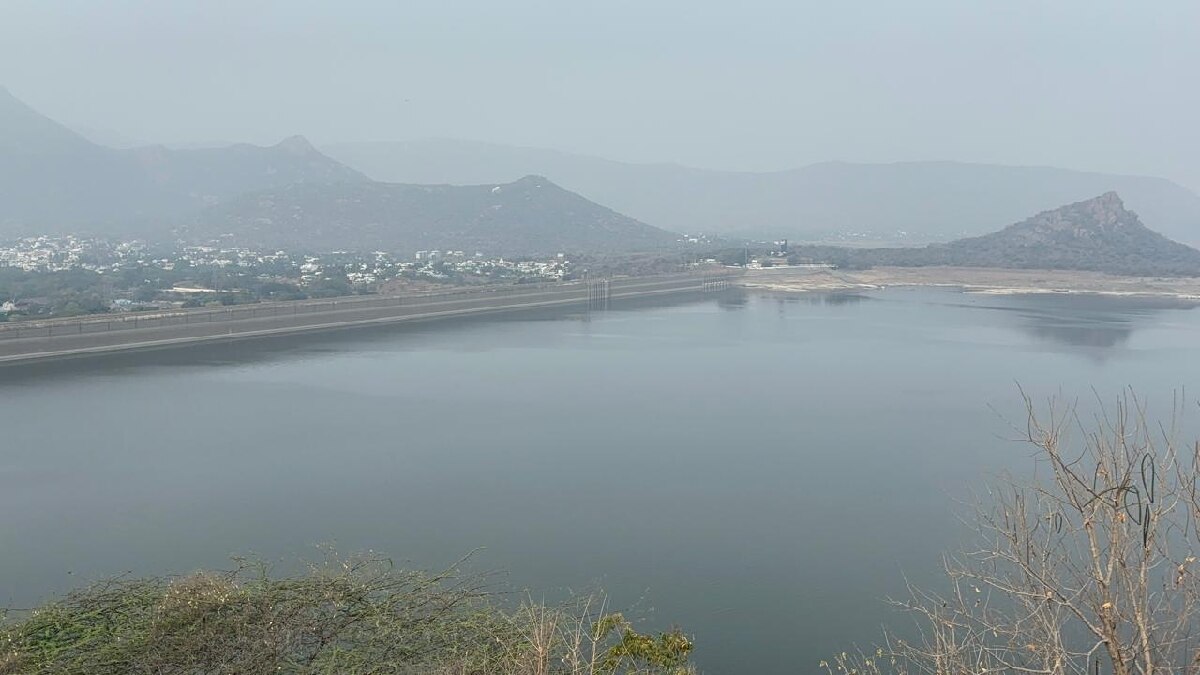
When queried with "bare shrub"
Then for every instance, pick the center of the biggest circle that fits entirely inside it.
(1089, 567)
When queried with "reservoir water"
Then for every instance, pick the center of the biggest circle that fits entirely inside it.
(762, 470)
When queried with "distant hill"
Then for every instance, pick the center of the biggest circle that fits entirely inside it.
(55, 180)
(526, 217)
(929, 200)
(1097, 234)
(290, 195)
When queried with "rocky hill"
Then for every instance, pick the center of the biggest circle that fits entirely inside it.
(530, 216)
(55, 180)
(1097, 234)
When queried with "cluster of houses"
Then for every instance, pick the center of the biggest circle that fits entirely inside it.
(57, 254)
(61, 253)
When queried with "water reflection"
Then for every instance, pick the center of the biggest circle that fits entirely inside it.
(733, 299)
(1070, 332)
(834, 299)
(815, 298)
(1091, 322)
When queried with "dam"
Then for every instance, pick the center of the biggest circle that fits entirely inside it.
(26, 341)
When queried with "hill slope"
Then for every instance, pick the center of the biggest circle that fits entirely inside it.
(527, 217)
(55, 180)
(932, 200)
(1097, 234)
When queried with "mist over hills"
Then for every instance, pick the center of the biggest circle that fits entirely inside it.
(53, 179)
(1097, 234)
(930, 201)
(531, 216)
(289, 195)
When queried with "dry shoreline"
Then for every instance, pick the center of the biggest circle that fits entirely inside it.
(970, 279)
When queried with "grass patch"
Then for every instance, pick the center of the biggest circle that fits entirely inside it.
(343, 616)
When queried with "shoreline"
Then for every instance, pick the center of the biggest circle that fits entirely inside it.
(981, 280)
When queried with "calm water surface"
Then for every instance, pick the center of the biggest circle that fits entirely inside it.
(762, 470)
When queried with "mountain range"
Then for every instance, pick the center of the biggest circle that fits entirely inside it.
(289, 195)
(928, 201)
(1097, 234)
(530, 216)
(53, 180)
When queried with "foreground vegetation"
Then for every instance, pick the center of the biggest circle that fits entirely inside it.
(344, 616)
(1088, 568)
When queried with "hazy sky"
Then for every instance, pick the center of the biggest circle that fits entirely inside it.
(1090, 84)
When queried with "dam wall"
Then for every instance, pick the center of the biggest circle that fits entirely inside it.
(25, 341)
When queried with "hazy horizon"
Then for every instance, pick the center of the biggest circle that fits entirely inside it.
(115, 139)
(756, 87)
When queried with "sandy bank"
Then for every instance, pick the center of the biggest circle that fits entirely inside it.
(970, 279)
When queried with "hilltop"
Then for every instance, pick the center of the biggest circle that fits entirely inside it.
(530, 216)
(1097, 235)
(53, 180)
(289, 195)
(929, 201)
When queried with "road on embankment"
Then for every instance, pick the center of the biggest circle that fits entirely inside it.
(23, 342)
